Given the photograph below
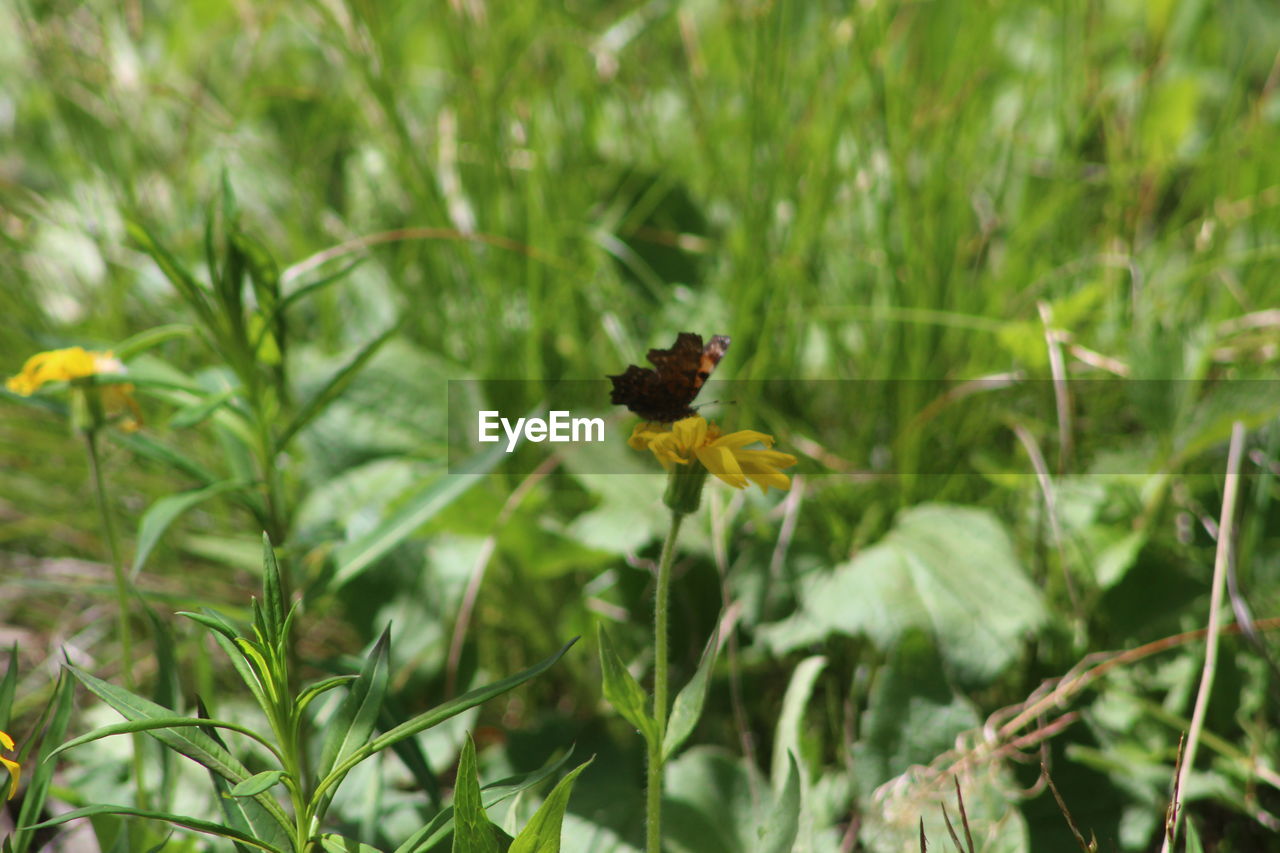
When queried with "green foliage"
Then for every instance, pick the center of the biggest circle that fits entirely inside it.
(296, 224)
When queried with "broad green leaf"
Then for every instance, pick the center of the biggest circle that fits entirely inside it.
(688, 705)
(437, 715)
(207, 827)
(158, 517)
(333, 843)
(779, 831)
(786, 741)
(912, 715)
(354, 721)
(712, 802)
(949, 571)
(621, 689)
(542, 833)
(355, 557)
(333, 388)
(472, 829)
(257, 783)
(192, 743)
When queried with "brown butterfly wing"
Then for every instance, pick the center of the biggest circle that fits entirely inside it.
(663, 393)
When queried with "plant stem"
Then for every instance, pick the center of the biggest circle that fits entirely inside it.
(653, 810)
(123, 596)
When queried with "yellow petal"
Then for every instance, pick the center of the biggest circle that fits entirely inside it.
(5, 740)
(721, 462)
(690, 433)
(742, 438)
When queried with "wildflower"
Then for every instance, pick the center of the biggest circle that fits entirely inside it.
(14, 768)
(726, 456)
(80, 367)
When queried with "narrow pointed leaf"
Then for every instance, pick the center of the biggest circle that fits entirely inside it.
(438, 715)
(440, 825)
(331, 842)
(148, 448)
(542, 833)
(150, 724)
(356, 556)
(334, 387)
(41, 778)
(310, 694)
(354, 721)
(271, 591)
(621, 689)
(205, 826)
(257, 783)
(472, 829)
(158, 517)
(688, 705)
(149, 338)
(192, 743)
(246, 814)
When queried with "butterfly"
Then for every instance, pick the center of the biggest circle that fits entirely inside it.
(664, 394)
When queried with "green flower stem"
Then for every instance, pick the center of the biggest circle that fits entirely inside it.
(123, 597)
(653, 816)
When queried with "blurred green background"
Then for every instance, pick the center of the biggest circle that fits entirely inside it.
(919, 192)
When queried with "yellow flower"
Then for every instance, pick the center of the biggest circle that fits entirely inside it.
(14, 768)
(726, 456)
(75, 364)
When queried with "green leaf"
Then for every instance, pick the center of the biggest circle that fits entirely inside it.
(1194, 844)
(151, 724)
(158, 517)
(246, 814)
(437, 715)
(148, 448)
(207, 827)
(439, 826)
(33, 800)
(149, 338)
(333, 388)
(257, 783)
(354, 721)
(472, 829)
(195, 294)
(192, 743)
(8, 686)
(333, 843)
(622, 690)
(778, 834)
(542, 833)
(310, 694)
(355, 557)
(947, 570)
(786, 741)
(273, 597)
(688, 705)
(201, 410)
